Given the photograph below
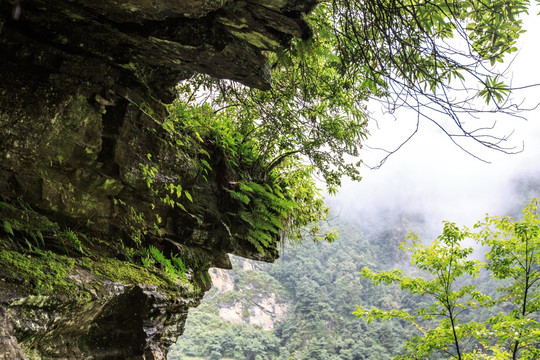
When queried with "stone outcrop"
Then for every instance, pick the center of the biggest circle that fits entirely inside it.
(250, 302)
(264, 311)
(81, 99)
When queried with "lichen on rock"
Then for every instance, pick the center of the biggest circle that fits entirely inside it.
(93, 263)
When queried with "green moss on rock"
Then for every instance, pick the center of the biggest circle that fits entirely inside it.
(44, 274)
(24, 219)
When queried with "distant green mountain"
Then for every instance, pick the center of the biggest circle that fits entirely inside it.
(301, 306)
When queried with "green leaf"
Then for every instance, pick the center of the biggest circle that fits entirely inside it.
(7, 228)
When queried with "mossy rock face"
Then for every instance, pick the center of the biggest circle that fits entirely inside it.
(59, 306)
(82, 96)
(65, 297)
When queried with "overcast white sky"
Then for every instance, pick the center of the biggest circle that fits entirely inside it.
(431, 175)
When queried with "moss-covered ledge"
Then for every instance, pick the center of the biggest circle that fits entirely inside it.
(65, 293)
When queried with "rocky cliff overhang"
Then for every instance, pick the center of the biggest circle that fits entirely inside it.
(81, 96)
(156, 42)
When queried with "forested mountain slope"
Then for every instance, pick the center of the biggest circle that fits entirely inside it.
(322, 283)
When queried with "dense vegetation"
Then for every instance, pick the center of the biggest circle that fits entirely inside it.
(434, 57)
(322, 283)
(452, 325)
(455, 306)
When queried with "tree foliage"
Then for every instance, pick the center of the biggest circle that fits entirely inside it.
(514, 255)
(403, 53)
(446, 261)
(447, 269)
(274, 200)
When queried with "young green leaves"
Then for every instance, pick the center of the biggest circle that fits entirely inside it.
(443, 262)
(448, 269)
